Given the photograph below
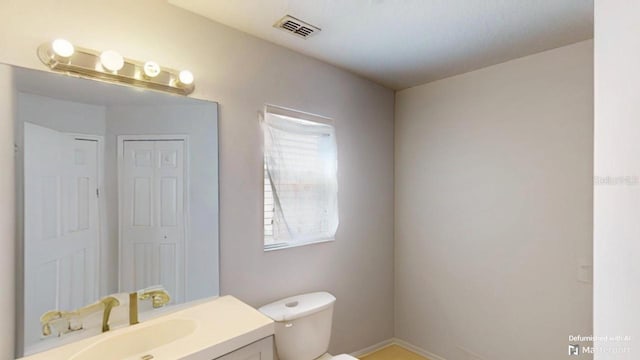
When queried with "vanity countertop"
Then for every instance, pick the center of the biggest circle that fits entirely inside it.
(224, 325)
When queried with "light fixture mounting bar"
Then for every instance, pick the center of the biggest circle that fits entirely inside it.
(87, 62)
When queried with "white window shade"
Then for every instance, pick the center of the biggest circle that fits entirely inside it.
(300, 179)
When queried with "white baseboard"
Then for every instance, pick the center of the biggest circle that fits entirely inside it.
(373, 348)
(417, 350)
(399, 342)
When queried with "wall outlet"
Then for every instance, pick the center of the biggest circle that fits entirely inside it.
(585, 271)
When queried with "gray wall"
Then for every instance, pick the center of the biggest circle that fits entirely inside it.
(494, 209)
(243, 73)
(617, 154)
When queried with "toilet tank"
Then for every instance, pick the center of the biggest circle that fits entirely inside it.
(303, 325)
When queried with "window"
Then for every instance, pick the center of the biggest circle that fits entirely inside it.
(300, 178)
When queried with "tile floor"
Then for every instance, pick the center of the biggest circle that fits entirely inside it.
(393, 352)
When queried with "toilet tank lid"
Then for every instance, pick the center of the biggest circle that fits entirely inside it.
(298, 306)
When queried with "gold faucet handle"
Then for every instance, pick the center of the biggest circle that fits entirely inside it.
(47, 318)
(159, 297)
(61, 321)
(50, 316)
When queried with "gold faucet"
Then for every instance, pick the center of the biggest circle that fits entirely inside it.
(159, 298)
(54, 317)
(109, 303)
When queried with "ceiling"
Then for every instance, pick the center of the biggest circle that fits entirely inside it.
(403, 43)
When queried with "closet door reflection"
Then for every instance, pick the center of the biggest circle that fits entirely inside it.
(152, 178)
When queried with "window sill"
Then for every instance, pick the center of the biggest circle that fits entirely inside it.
(294, 245)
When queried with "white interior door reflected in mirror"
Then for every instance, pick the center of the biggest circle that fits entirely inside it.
(61, 225)
(152, 173)
(102, 219)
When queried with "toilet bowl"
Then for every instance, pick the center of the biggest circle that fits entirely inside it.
(303, 326)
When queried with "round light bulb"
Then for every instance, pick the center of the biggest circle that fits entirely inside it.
(62, 48)
(112, 60)
(151, 69)
(186, 77)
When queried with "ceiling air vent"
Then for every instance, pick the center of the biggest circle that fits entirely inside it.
(295, 26)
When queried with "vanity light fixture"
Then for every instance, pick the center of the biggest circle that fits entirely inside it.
(61, 55)
(151, 69)
(185, 77)
(62, 48)
(112, 60)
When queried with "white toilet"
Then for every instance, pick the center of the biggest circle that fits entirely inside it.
(303, 326)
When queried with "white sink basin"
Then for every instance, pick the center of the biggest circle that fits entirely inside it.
(201, 331)
(139, 342)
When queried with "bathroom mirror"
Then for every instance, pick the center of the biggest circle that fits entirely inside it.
(117, 191)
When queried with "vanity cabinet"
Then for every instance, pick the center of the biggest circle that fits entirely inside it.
(259, 350)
